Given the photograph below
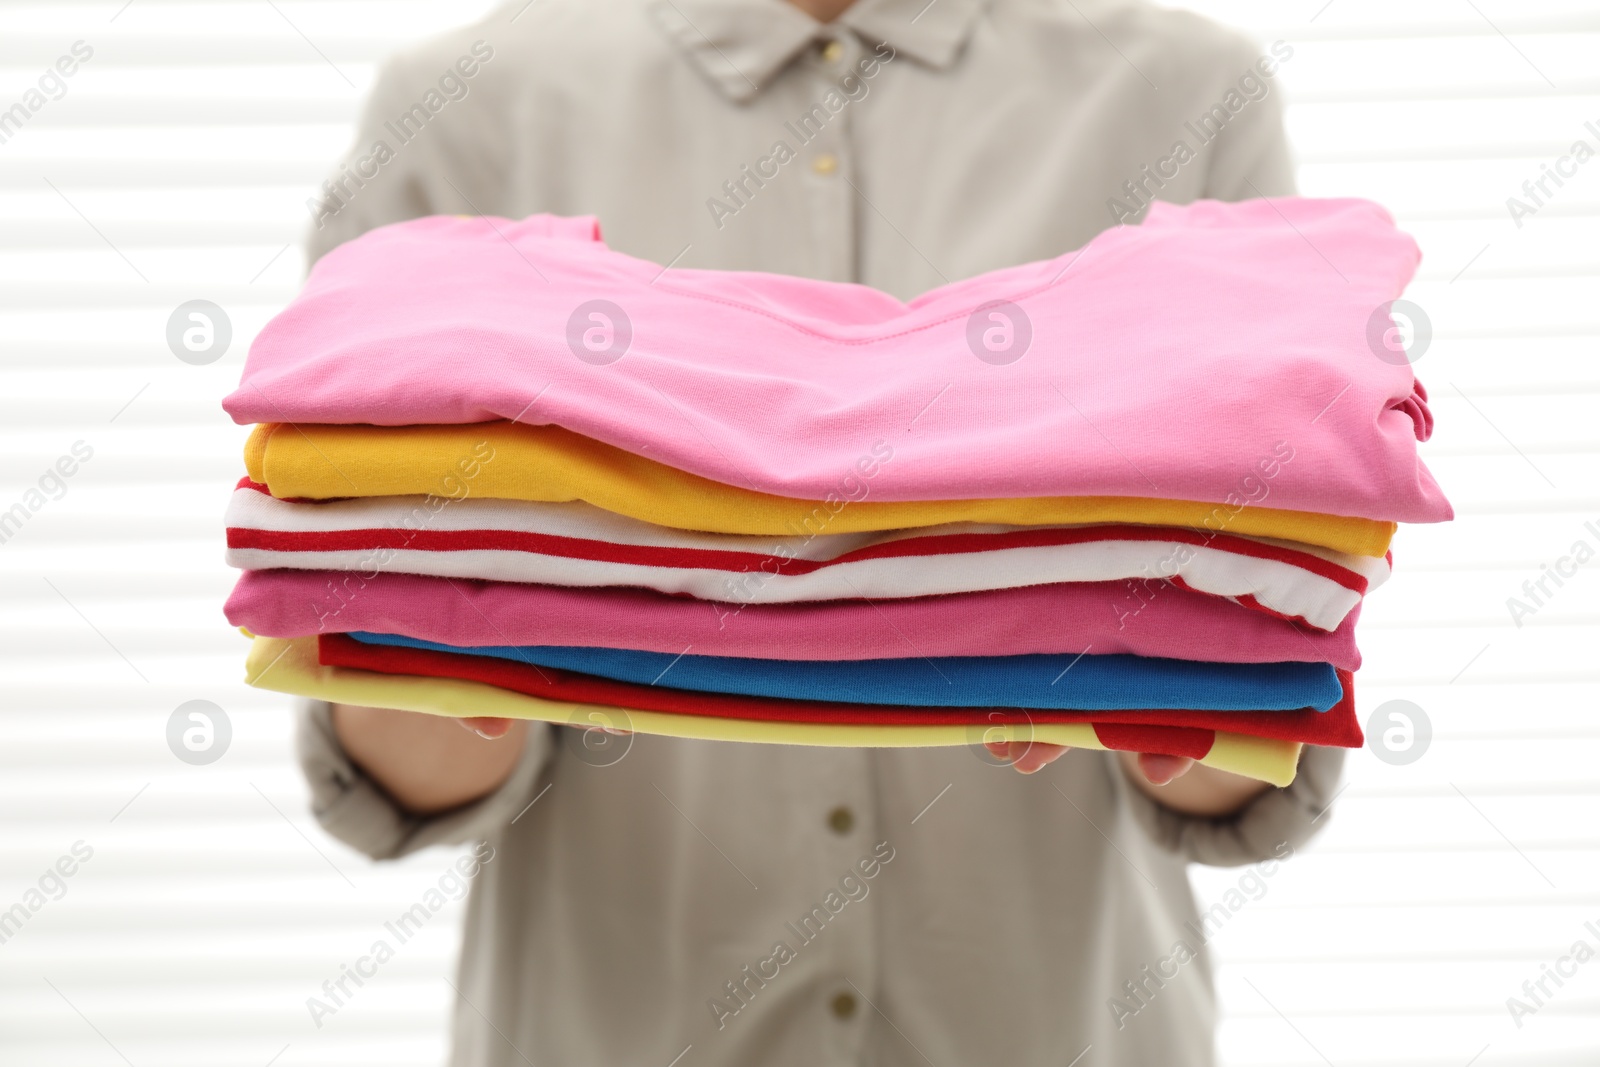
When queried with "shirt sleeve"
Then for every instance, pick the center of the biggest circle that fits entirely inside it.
(353, 808)
(1251, 155)
(407, 160)
(1292, 815)
(1250, 158)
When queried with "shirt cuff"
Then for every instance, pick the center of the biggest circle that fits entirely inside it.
(353, 808)
(1292, 816)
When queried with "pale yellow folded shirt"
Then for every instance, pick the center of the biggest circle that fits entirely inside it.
(513, 461)
(290, 666)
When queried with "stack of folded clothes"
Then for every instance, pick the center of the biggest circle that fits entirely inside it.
(1131, 498)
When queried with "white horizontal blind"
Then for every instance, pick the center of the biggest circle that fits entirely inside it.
(176, 166)
(1441, 886)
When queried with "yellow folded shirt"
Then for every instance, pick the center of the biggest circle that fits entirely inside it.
(291, 667)
(513, 461)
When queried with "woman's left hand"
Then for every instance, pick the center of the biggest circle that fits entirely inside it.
(1030, 756)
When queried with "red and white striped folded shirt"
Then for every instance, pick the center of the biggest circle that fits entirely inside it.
(575, 544)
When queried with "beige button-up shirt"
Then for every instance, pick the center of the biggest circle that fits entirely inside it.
(654, 901)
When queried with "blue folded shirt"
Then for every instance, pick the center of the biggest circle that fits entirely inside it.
(1066, 680)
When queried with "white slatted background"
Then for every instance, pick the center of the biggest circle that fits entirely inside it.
(180, 159)
(1399, 936)
(205, 919)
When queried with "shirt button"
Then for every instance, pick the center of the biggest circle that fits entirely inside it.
(843, 1005)
(840, 820)
(832, 52)
(825, 164)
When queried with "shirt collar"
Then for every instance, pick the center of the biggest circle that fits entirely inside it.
(932, 32)
(742, 45)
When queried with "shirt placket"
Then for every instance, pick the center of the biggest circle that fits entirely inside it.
(847, 818)
(822, 133)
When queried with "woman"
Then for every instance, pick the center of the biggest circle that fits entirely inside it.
(638, 895)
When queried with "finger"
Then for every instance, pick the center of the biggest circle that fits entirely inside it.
(1030, 756)
(1159, 769)
(1006, 751)
(1025, 756)
(486, 727)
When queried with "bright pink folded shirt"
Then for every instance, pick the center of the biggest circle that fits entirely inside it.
(1138, 618)
(1165, 360)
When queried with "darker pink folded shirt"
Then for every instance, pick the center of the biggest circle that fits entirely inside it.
(1141, 619)
(1162, 360)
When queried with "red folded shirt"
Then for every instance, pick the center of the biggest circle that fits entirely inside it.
(1178, 733)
